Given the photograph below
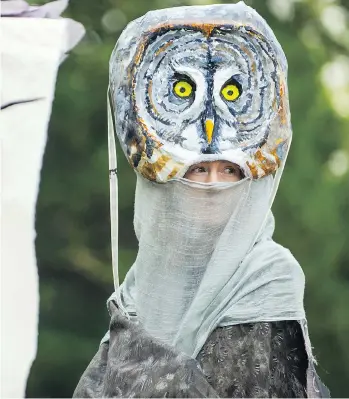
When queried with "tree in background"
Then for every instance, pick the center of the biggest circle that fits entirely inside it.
(311, 208)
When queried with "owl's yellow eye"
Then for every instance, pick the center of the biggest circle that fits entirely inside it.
(183, 89)
(231, 91)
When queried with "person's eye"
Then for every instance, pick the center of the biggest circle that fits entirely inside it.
(230, 170)
(198, 169)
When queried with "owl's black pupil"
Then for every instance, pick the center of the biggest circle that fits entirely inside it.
(230, 93)
(182, 89)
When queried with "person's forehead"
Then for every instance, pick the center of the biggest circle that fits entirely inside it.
(219, 162)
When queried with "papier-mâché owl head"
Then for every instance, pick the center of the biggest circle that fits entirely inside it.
(189, 84)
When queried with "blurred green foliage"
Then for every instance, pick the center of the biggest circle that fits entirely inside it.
(311, 208)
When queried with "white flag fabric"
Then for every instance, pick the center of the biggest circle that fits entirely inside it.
(31, 51)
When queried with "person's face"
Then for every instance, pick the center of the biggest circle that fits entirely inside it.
(216, 171)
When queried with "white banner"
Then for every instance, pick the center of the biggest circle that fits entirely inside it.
(31, 50)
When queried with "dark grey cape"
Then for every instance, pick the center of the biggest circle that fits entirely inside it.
(266, 359)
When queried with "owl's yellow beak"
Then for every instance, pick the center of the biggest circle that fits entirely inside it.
(209, 126)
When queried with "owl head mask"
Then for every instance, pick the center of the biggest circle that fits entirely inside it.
(189, 84)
